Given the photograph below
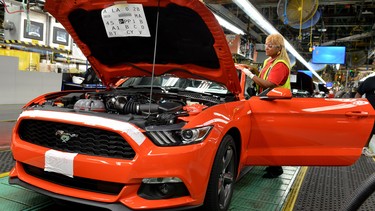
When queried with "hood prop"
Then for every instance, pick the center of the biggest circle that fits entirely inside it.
(154, 59)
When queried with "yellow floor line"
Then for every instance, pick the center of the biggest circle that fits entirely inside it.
(292, 196)
(4, 174)
(8, 120)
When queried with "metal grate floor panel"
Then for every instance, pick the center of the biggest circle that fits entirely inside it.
(7, 161)
(327, 188)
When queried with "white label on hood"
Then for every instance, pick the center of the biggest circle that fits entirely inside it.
(125, 20)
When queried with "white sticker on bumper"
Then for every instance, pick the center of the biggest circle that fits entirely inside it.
(59, 162)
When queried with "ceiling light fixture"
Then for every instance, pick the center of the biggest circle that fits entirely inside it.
(228, 25)
(267, 27)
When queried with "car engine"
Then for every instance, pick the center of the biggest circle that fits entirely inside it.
(134, 106)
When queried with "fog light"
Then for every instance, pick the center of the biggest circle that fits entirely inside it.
(162, 188)
(166, 189)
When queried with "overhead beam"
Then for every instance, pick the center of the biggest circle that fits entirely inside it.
(343, 25)
(336, 2)
(350, 38)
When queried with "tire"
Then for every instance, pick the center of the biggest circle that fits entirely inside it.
(221, 184)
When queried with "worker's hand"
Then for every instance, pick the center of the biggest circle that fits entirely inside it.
(248, 73)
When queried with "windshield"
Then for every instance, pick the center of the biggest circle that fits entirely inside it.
(172, 82)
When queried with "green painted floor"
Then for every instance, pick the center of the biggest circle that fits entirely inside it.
(252, 192)
(14, 198)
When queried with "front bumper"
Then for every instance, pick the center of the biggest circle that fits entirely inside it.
(109, 206)
(192, 164)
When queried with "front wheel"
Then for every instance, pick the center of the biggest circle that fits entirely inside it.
(221, 184)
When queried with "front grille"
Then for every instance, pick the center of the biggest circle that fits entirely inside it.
(78, 139)
(81, 183)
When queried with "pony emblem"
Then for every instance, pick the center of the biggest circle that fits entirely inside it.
(65, 137)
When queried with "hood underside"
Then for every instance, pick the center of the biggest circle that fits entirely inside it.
(134, 38)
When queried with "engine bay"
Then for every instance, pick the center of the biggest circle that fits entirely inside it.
(134, 106)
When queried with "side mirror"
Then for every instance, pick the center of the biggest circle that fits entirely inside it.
(277, 93)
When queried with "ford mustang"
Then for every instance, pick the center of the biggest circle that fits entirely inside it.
(175, 125)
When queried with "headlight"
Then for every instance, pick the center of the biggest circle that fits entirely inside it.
(179, 137)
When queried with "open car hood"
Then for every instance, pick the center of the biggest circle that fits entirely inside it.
(124, 39)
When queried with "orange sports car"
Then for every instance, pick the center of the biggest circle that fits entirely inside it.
(180, 127)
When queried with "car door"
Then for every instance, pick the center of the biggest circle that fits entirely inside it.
(308, 131)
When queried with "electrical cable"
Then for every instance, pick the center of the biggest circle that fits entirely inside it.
(6, 8)
(300, 22)
(28, 22)
(360, 195)
(311, 31)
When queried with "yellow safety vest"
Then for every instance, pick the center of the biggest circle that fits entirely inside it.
(265, 76)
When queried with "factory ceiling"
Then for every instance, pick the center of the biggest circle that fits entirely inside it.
(349, 23)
